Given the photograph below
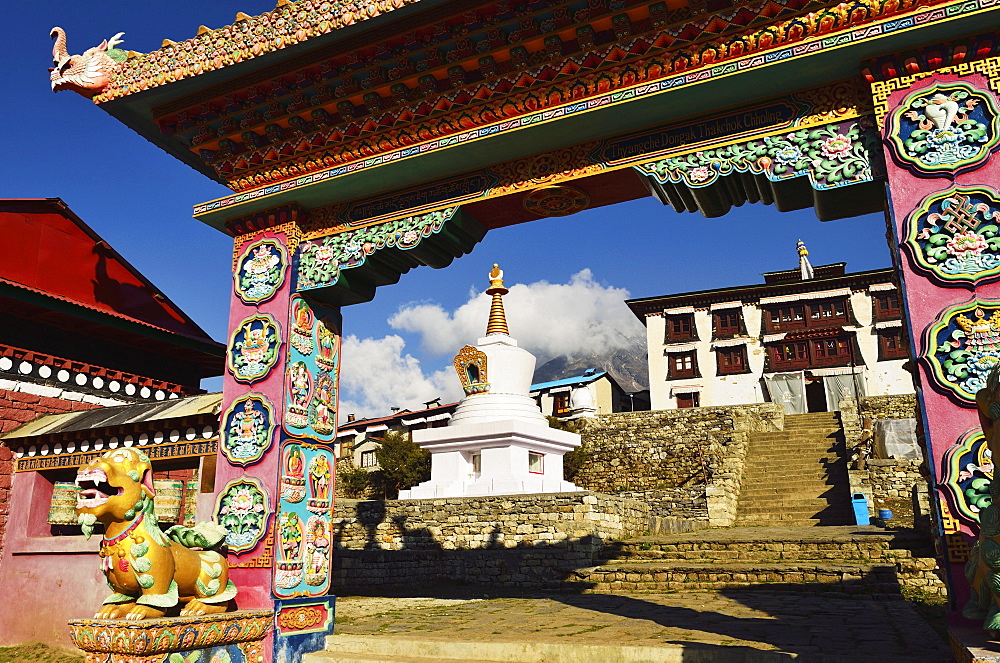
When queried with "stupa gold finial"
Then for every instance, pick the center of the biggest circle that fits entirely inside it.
(498, 320)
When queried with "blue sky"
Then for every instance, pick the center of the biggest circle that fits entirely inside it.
(139, 199)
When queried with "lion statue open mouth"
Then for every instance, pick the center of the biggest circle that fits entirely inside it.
(149, 570)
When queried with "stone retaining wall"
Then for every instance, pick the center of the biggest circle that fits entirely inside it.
(523, 540)
(895, 485)
(688, 503)
(634, 452)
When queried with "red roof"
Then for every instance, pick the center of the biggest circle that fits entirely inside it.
(50, 251)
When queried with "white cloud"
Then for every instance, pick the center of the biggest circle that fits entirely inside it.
(548, 319)
(377, 375)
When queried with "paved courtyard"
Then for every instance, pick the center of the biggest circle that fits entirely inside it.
(810, 626)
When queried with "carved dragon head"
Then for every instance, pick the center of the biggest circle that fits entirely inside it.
(88, 74)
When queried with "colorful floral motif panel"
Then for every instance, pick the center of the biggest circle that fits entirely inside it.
(243, 508)
(944, 128)
(312, 369)
(260, 271)
(304, 532)
(967, 471)
(954, 235)
(832, 156)
(321, 260)
(962, 346)
(247, 429)
(253, 348)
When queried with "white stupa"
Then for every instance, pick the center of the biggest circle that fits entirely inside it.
(498, 442)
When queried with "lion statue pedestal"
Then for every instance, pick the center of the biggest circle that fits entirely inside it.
(233, 637)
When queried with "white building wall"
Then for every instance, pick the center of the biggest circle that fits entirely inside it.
(881, 377)
(659, 387)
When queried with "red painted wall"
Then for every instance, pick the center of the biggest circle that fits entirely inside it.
(55, 578)
(18, 408)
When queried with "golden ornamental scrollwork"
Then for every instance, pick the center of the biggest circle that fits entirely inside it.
(470, 364)
(881, 90)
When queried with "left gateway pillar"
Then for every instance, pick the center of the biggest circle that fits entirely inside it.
(274, 470)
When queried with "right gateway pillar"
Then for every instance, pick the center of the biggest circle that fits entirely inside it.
(940, 130)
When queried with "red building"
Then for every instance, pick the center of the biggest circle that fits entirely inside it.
(82, 328)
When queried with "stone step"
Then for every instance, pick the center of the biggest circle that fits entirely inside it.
(791, 501)
(818, 479)
(672, 575)
(820, 510)
(762, 460)
(805, 431)
(393, 649)
(748, 539)
(763, 488)
(826, 444)
(783, 555)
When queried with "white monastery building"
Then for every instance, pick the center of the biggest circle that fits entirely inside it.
(796, 339)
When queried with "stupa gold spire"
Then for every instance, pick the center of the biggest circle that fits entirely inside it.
(498, 321)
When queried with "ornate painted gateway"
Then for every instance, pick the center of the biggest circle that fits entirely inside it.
(361, 140)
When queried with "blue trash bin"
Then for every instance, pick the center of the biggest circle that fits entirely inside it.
(860, 504)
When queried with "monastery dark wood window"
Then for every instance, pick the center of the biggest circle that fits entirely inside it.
(682, 365)
(830, 352)
(786, 318)
(731, 360)
(886, 305)
(831, 311)
(726, 323)
(891, 344)
(680, 327)
(368, 459)
(786, 356)
(688, 400)
(813, 353)
(560, 403)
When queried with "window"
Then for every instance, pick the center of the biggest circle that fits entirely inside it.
(828, 311)
(535, 462)
(829, 351)
(680, 327)
(814, 353)
(477, 463)
(682, 365)
(368, 459)
(886, 305)
(560, 403)
(790, 352)
(726, 323)
(731, 360)
(688, 400)
(891, 344)
(784, 318)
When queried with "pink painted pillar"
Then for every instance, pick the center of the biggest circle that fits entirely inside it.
(940, 130)
(274, 477)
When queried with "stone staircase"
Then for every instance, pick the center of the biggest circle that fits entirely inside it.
(848, 560)
(798, 476)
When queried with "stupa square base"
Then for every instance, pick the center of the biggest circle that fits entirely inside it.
(235, 637)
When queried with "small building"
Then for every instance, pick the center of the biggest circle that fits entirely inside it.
(595, 392)
(806, 338)
(358, 439)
